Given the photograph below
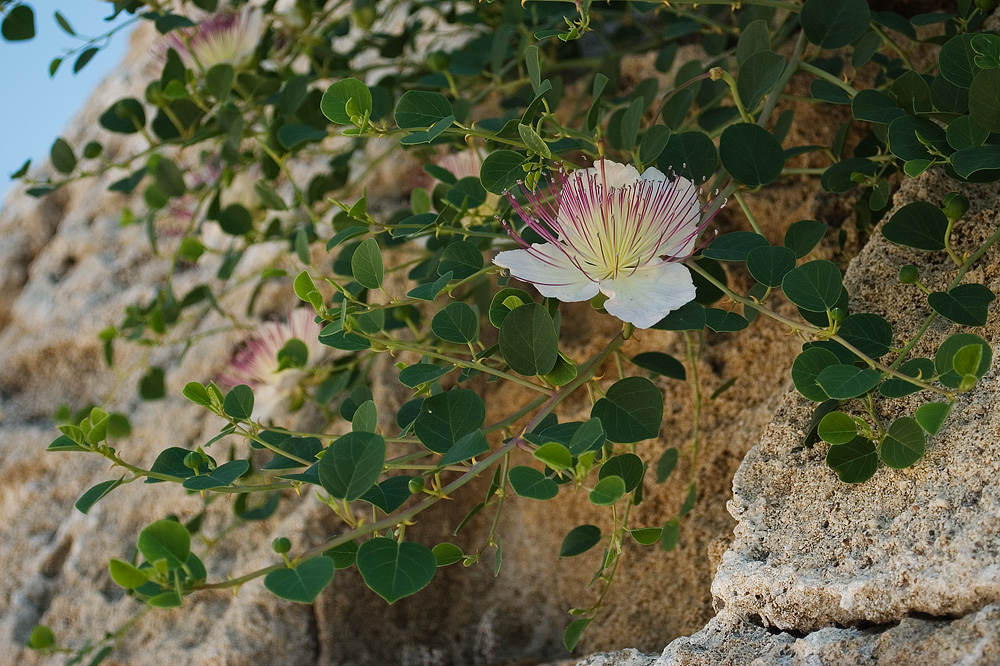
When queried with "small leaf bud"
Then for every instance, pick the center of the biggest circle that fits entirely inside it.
(715, 73)
(193, 460)
(281, 545)
(908, 274)
(438, 61)
(954, 205)
(415, 485)
(986, 5)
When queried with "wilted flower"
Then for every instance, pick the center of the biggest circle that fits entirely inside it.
(256, 363)
(225, 37)
(611, 231)
(468, 164)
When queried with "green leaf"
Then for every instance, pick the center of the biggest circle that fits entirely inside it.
(64, 443)
(564, 371)
(533, 141)
(421, 109)
(62, 156)
(734, 246)
(769, 265)
(968, 161)
(579, 540)
(334, 101)
(754, 37)
(837, 428)
(352, 465)
(126, 116)
(813, 286)
(365, 417)
(447, 417)
(302, 583)
(690, 154)
(430, 290)
(221, 477)
(984, 99)
(390, 494)
(865, 48)
(751, 154)
(919, 224)
(41, 636)
(647, 536)
(531, 483)
(219, 80)
(723, 321)
(832, 25)
(806, 369)
(757, 76)
(608, 490)
(847, 381)
(238, 403)
(126, 575)
(920, 368)
(912, 92)
(931, 416)
(501, 171)
(854, 462)
(165, 540)
(661, 364)
(296, 134)
(574, 630)
(366, 264)
(19, 24)
(500, 306)
(964, 132)
(654, 140)
(666, 464)
(910, 136)
(95, 494)
(688, 317)
(870, 333)
(875, 106)
(825, 91)
(468, 446)
(590, 436)
(802, 236)
(671, 534)
(631, 411)
(235, 220)
(903, 444)
(457, 323)
(528, 340)
(84, 58)
(627, 466)
(555, 455)
(966, 304)
(957, 61)
(421, 373)
(462, 258)
(840, 177)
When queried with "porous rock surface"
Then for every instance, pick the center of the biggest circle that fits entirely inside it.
(902, 569)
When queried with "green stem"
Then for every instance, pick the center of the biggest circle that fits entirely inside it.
(746, 211)
(826, 76)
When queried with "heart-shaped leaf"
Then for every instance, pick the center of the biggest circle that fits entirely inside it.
(302, 583)
(395, 570)
(966, 304)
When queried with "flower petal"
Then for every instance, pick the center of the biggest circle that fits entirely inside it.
(615, 174)
(550, 270)
(687, 213)
(647, 295)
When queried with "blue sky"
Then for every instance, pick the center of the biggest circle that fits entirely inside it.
(36, 108)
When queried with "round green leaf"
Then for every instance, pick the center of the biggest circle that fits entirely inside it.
(631, 411)
(574, 630)
(875, 106)
(42, 637)
(653, 142)
(964, 132)
(931, 416)
(769, 265)
(688, 317)
(833, 24)
(165, 540)
(500, 306)
(531, 483)
(802, 236)
(919, 224)
(666, 464)
(758, 73)
(366, 264)
(969, 161)
(723, 321)
(966, 304)
(957, 60)
(126, 116)
(302, 583)
(751, 154)
(238, 403)
(579, 540)
(421, 373)
(647, 536)
(352, 465)
(555, 455)
(626, 466)
(334, 101)
(447, 553)
(528, 340)
(19, 24)
(909, 136)
(921, 368)
(447, 417)
(944, 360)
(501, 171)
(661, 364)
(607, 491)
(235, 220)
(814, 286)
(689, 154)
(847, 381)
(126, 575)
(462, 258)
(903, 444)
(855, 461)
(421, 109)
(837, 428)
(62, 156)
(870, 333)
(467, 192)
(457, 323)
(806, 369)
(734, 246)
(840, 177)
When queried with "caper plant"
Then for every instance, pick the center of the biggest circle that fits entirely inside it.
(571, 187)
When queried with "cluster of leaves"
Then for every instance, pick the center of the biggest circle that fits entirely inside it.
(259, 120)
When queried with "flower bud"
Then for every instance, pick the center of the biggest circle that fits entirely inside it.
(415, 485)
(986, 5)
(438, 61)
(908, 274)
(281, 545)
(838, 314)
(954, 205)
(193, 460)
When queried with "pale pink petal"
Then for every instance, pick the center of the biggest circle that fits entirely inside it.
(550, 270)
(648, 294)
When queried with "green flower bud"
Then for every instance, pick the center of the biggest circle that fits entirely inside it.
(416, 485)
(193, 460)
(838, 314)
(954, 205)
(908, 274)
(281, 545)
(986, 5)
(438, 61)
